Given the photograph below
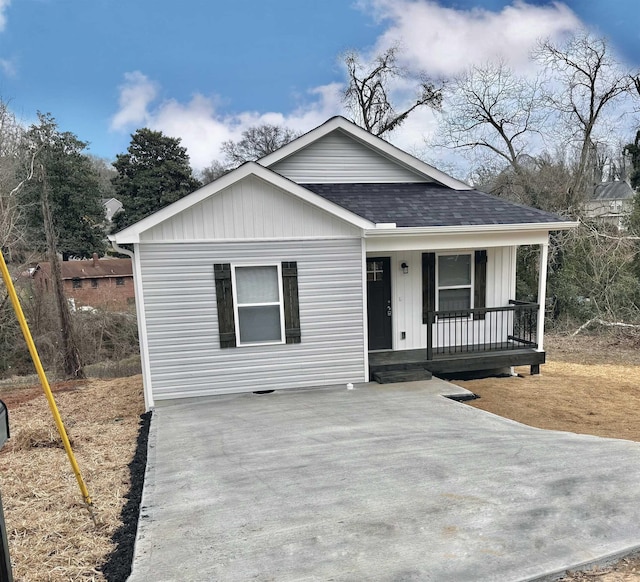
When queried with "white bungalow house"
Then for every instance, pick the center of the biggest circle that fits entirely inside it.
(338, 258)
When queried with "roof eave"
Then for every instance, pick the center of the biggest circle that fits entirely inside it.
(470, 229)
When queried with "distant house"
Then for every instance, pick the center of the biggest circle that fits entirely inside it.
(338, 258)
(95, 282)
(111, 207)
(611, 202)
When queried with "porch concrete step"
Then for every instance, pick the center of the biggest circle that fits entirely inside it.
(396, 366)
(394, 376)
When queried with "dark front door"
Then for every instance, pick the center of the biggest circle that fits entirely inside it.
(379, 302)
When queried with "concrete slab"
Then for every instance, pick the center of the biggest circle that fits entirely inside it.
(380, 483)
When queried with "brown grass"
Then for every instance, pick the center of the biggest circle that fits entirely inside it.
(51, 535)
(602, 400)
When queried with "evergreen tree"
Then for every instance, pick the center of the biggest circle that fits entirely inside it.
(64, 206)
(74, 192)
(153, 173)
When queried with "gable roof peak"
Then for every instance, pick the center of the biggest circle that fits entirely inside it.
(373, 142)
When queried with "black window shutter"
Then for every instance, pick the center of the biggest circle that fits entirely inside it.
(428, 285)
(480, 283)
(224, 300)
(291, 303)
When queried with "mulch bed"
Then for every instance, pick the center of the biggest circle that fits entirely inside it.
(117, 567)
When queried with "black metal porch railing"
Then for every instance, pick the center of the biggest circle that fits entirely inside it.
(486, 329)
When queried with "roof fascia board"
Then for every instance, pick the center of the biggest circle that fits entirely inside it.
(470, 229)
(383, 147)
(450, 242)
(131, 234)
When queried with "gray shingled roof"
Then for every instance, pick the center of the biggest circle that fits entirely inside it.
(428, 204)
(618, 190)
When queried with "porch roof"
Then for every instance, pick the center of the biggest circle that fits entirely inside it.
(427, 205)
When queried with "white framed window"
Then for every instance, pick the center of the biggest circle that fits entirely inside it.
(454, 282)
(258, 304)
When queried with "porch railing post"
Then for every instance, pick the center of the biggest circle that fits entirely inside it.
(430, 319)
(542, 294)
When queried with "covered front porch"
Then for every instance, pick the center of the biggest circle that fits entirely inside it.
(447, 304)
(465, 341)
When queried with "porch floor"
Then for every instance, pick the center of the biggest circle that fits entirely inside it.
(465, 359)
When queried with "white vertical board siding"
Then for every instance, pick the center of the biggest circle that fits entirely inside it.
(337, 158)
(407, 296)
(250, 209)
(182, 324)
(494, 328)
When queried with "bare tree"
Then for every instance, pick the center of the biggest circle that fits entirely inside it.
(367, 95)
(495, 116)
(11, 136)
(588, 80)
(257, 141)
(213, 172)
(71, 356)
(42, 138)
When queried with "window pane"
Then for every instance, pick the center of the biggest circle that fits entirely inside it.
(257, 284)
(259, 324)
(452, 299)
(454, 270)
(375, 270)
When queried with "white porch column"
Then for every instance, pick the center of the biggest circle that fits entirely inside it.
(542, 292)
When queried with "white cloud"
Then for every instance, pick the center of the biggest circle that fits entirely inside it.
(136, 94)
(444, 41)
(438, 40)
(7, 67)
(4, 4)
(201, 126)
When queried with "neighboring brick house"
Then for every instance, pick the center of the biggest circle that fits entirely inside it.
(95, 282)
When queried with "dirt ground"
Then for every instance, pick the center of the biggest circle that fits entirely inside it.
(51, 535)
(590, 385)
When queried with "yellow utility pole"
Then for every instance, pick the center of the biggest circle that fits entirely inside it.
(45, 383)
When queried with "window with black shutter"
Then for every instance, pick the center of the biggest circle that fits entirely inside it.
(257, 304)
(454, 282)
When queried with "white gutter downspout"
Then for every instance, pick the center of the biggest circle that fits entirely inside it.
(542, 292)
(141, 318)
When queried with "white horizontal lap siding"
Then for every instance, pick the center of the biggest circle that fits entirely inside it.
(182, 324)
(249, 209)
(338, 158)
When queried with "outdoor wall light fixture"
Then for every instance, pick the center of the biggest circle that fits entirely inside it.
(405, 268)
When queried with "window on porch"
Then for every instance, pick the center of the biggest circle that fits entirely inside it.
(455, 282)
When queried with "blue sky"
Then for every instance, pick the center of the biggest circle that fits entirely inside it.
(205, 70)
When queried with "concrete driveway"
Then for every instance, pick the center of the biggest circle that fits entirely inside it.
(382, 483)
